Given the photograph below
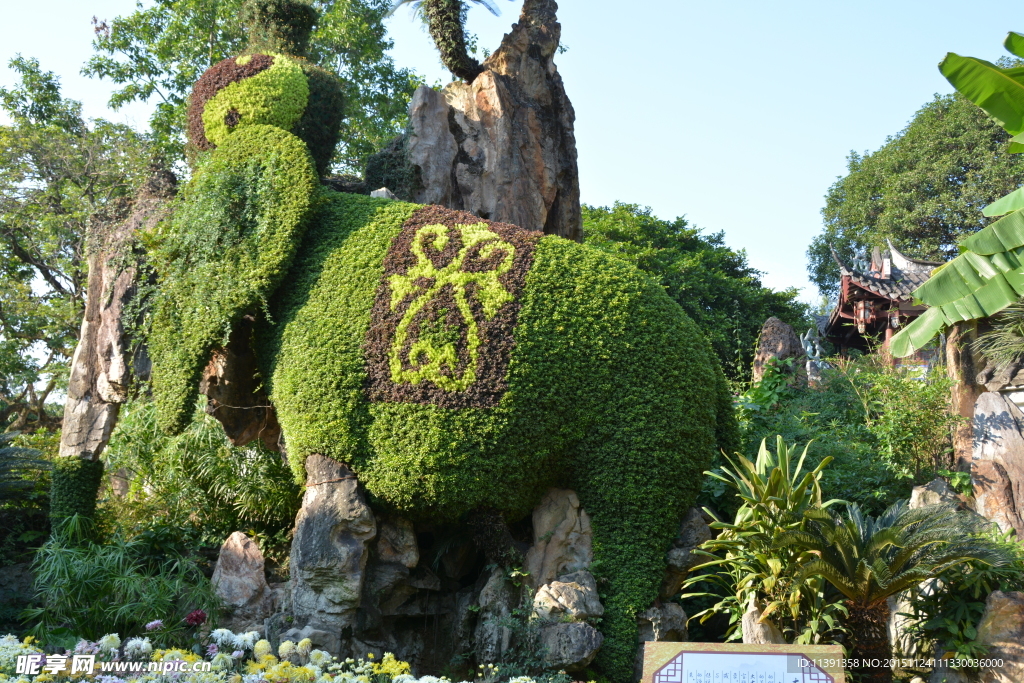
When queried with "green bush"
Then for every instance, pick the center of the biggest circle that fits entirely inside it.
(609, 387)
(886, 429)
(87, 588)
(744, 563)
(194, 489)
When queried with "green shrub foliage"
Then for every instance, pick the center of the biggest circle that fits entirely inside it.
(607, 386)
(231, 239)
(75, 484)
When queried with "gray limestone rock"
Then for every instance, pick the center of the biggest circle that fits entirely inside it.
(569, 646)
(1001, 630)
(935, 492)
(663, 624)
(680, 559)
(329, 550)
(496, 601)
(562, 538)
(574, 595)
(755, 631)
(997, 468)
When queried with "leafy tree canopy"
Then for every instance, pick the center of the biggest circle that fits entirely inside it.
(161, 50)
(923, 189)
(713, 283)
(60, 176)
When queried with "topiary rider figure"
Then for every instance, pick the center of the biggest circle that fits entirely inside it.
(453, 363)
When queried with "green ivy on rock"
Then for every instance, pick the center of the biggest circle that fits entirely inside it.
(229, 242)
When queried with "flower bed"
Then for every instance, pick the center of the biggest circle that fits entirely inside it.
(219, 657)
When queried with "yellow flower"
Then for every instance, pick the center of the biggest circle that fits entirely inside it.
(29, 640)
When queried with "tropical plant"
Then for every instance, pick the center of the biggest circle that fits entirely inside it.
(1003, 343)
(747, 568)
(196, 484)
(88, 588)
(948, 610)
(870, 559)
(15, 462)
(988, 275)
(446, 21)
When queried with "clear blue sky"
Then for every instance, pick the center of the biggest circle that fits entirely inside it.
(737, 114)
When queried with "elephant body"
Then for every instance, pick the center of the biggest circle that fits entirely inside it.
(456, 364)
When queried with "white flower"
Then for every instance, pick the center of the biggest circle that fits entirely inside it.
(136, 648)
(304, 646)
(286, 648)
(246, 641)
(430, 679)
(222, 660)
(110, 642)
(321, 658)
(404, 678)
(222, 637)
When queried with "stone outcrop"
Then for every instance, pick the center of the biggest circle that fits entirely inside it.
(997, 468)
(329, 550)
(103, 363)
(778, 341)
(562, 538)
(1001, 630)
(569, 645)
(501, 147)
(234, 394)
(663, 624)
(497, 600)
(756, 632)
(572, 595)
(693, 531)
(241, 584)
(935, 492)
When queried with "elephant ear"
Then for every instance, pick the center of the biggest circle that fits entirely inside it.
(223, 251)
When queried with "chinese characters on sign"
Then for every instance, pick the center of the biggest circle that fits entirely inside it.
(734, 663)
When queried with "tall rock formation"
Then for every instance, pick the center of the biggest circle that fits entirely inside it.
(501, 147)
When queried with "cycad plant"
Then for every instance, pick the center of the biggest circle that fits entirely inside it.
(745, 566)
(445, 21)
(870, 559)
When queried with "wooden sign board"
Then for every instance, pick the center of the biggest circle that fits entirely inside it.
(733, 663)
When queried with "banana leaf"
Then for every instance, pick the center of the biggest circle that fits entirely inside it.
(1000, 92)
(1005, 234)
(918, 333)
(1005, 205)
(1014, 44)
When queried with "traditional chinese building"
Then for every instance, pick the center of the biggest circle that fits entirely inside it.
(875, 298)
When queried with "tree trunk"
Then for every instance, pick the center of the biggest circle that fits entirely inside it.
(104, 363)
(961, 368)
(871, 650)
(501, 147)
(444, 21)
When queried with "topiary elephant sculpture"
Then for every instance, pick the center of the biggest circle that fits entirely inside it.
(453, 363)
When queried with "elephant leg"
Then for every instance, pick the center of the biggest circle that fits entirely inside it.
(637, 484)
(75, 485)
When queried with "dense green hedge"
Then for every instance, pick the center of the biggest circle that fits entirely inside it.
(232, 237)
(74, 488)
(611, 390)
